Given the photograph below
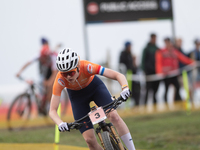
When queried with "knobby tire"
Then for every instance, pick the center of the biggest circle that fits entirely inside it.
(109, 142)
(20, 108)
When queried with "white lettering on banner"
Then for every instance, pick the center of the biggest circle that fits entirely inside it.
(128, 6)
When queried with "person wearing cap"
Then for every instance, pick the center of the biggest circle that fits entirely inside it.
(47, 70)
(148, 66)
(167, 60)
(195, 55)
(127, 61)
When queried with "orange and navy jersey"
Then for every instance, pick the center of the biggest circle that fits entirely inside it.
(87, 70)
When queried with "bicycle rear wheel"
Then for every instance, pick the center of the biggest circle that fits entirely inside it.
(19, 112)
(109, 142)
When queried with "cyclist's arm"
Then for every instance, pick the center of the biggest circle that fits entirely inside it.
(55, 100)
(26, 65)
(111, 74)
(22, 69)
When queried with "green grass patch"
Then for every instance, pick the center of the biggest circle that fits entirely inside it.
(167, 131)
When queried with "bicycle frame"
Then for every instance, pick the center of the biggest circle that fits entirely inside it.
(103, 126)
(34, 96)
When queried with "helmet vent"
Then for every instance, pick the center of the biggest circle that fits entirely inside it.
(58, 58)
(63, 51)
(67, 57)
(63, 65)
(73, 54)
(71, 64)
(67, 50)
(63, 58)
(67, 65)
(76, 61)
(60, 66)
(57, 65)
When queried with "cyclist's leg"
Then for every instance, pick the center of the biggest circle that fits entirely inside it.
(91, 140)
(80, 107)
(103, 97)
(118, 123)
(122, 129)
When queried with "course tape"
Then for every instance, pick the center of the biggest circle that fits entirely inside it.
(156, 77)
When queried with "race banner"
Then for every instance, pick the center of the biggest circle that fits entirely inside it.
(101, 11)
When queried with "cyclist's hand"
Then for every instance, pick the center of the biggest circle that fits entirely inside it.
(18, 75)
(63, 126)
(29, 82)
(125, 93)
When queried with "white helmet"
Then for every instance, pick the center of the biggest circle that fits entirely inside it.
(67, 60)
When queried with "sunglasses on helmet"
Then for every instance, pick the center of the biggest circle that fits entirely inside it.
(70, 73)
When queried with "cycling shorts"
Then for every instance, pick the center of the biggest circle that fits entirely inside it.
(80, 100)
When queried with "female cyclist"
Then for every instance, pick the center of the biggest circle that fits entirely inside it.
(83, 86)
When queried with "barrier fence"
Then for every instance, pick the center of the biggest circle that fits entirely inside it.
(190, 81)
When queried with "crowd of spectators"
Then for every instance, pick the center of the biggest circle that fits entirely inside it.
(167, 62)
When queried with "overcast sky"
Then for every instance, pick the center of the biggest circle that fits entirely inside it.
(23, 23)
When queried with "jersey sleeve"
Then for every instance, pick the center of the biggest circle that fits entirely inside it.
(59, 85)
(92, 69)
(182, 58)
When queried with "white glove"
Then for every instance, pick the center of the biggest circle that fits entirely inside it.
(63, 126)
(125, 93)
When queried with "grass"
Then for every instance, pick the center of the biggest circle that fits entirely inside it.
(167, 131)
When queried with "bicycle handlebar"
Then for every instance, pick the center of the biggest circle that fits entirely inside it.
(114, 104)
(33, 84)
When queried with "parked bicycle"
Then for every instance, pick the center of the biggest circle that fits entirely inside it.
(27, 103)
(105, 131)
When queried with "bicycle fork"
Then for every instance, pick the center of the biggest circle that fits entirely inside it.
(110, 128)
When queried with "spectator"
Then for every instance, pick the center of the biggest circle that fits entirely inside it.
(47, 69)
(148, 66)
(178, 46)
(129, 61)
(167, 60)
(195, 55)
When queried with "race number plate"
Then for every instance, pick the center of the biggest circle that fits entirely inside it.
(97, 115)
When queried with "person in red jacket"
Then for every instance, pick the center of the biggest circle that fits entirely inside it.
(167, 60)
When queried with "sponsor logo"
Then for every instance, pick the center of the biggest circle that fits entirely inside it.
(124, 6)
(165, 5)
(89, 68)
(61, 82)
(86, 125)
(92, 8)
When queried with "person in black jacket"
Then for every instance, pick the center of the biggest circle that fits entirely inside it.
(148, 66)
(129, 63)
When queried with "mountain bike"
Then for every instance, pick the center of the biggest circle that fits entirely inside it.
(106, 132)
(27, 103)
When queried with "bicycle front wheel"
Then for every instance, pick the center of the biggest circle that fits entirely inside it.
(19, 112)
(109, 142)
